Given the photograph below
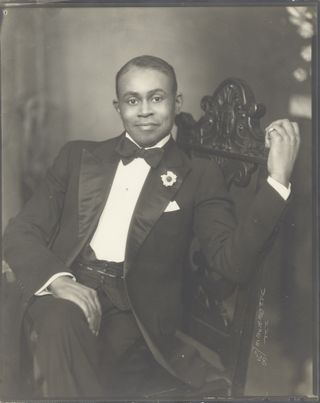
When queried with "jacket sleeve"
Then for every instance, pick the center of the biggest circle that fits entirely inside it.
(234, 247)
(28, 236)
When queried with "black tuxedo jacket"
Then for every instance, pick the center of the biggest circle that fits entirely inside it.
(60, 218)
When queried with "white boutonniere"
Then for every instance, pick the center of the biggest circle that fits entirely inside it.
(169, 178)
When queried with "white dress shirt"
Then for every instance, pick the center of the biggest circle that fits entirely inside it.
(110, 238)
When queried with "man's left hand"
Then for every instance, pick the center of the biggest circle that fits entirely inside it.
(283, 139)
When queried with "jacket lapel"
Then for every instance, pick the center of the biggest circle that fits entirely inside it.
(96, 175)
(155, 197)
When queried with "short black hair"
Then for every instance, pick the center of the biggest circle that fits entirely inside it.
(149, 62)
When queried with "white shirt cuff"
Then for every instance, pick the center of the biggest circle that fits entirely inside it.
(283, 191)
(44, 289)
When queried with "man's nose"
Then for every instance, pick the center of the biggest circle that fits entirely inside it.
(145, 109)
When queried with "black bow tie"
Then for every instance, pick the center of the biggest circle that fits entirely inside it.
(129, 151)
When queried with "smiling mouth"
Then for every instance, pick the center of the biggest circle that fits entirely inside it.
(146, 124)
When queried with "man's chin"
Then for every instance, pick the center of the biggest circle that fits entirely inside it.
(147, 138)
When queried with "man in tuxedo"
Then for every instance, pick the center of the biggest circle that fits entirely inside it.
(98, 252)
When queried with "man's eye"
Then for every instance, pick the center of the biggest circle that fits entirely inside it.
(132, 101)
(156, 98)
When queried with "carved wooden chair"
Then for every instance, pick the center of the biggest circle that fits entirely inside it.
(220, 315)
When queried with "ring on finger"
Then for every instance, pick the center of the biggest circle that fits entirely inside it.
(272, 129)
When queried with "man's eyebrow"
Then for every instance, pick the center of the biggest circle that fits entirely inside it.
(137, 94)
(131, 93)
(157, 90)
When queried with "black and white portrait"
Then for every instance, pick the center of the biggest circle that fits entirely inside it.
(159, 193)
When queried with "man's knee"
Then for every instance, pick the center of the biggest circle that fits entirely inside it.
(51, 316)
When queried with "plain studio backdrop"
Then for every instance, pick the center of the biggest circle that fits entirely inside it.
(58, 70)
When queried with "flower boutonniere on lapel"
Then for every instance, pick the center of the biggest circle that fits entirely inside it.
(169, 178)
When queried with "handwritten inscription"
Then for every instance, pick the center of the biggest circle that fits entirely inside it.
(262, 331)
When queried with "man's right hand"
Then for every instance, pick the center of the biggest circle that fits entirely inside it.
(86, 298)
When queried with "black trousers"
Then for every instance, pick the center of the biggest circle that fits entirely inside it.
(69, 361)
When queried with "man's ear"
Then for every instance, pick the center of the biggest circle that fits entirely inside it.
(179, 102)
(116, 105)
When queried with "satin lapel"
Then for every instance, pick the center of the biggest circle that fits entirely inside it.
(154, 198)
(95, 181)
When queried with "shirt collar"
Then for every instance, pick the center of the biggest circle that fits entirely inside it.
(160, 143)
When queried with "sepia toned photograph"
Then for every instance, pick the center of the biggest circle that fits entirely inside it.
(160, 189)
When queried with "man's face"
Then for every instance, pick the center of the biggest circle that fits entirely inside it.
(147, 104)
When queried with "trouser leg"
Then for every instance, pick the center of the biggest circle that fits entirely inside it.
(65, 351)
(69, 361)
(124, 355)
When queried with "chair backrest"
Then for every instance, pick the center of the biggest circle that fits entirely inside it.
(220, 314)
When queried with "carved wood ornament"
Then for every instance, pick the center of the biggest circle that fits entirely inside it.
(229, 131)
